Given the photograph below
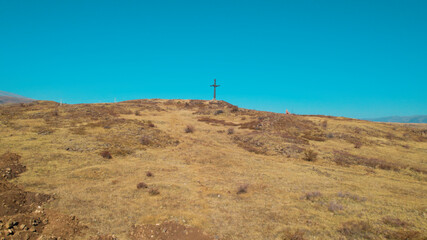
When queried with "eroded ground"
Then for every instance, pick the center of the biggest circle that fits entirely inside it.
(179, 169)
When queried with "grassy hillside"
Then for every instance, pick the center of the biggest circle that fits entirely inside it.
(189, 169)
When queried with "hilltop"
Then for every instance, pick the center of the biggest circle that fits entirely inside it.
(193, 169)
(6, 97)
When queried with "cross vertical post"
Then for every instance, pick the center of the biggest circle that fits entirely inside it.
(214, 86)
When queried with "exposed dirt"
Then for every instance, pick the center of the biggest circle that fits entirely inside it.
(168, 230)
(21, 212)
(14, 200)
(10, 166)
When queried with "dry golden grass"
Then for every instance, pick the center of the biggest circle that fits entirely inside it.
(196, 177)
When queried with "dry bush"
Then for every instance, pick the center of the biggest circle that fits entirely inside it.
(121, 151)
(146, 140)
(347, 159)
(44, 130)
(218, 112)
(293, 235)
(310, 155)
(358, 144)
(354, 197)
(334, 207)
(189, 129)
(403, 234)
(358, 230)
(242, 188)
(234, 109)
(141, 185)
(106, 154)
(149, 174)
(137, 113)
(250, 144)
(311, 195)
(153, 191)
(230, 131)
(324, 124)
(394, 222)
(216, 121)
(150, 124)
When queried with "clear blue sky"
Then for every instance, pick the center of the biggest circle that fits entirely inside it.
(354, 58)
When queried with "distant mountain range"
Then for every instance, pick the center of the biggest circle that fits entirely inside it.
(6, 97)
(401, 119)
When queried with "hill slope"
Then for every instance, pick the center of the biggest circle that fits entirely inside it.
(6, 97)
(401, 119)
(190, 169)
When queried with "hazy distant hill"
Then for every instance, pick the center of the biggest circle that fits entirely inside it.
(402, 119)
(6, 97)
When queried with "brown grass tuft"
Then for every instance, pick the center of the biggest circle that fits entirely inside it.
(189, 129)
(347, 159)
(149, 174)
(311, 195)
(106, 154)
(310, 155)
(230, 131)
(242, 188)
(354, 197)
(153, 191)
(293, 235)
(141, 185)
(357, 230)
(403, 234)
(394, 222)
(334, 207)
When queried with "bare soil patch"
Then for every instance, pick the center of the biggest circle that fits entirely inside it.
(168, 230)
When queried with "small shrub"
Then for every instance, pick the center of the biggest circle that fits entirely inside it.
(403, 234)
(324, 124)
(311, 195)
(151, 124)
(334, 207)
(141, 185)
(357, 230)
(44, 130)
(310, 155)
(149, 174)
(234, 109)
(189, 129)
(218, 112)
(153, 191)
(293, 235)
(137, 113)
(230, 131)
(106, 154)
(354, 197)
(243, 188)
(358, 144)
(394, 222)
(145, 140)
(347, 159)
